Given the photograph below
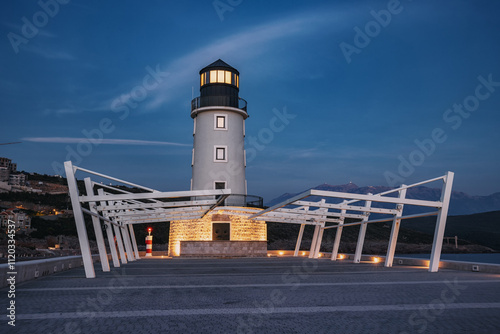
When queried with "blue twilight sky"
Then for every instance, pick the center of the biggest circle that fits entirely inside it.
(364, 81)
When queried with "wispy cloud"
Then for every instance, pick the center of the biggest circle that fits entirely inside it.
(16, 28)
(243, 45)
(72, 140)
(60, 111)
(49, 53)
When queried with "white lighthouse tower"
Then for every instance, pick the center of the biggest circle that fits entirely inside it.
(219, 162)
(219, 115)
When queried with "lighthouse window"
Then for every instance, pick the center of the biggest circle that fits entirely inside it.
(220, 76)
(220, 153)
(220, 122)
(213, 76)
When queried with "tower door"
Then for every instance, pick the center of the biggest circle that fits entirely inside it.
(221, 231)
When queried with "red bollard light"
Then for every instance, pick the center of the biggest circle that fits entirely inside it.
(149, 243)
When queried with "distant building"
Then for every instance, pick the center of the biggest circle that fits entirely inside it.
(7, 163)
(21, 219)
(18, 179)
(4, 174)
(9, 174)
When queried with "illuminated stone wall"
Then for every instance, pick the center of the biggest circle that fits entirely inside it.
(242, 229)
(224, 248)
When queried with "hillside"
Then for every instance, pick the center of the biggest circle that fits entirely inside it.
(460, 204)
(481, 228)
(284, 236)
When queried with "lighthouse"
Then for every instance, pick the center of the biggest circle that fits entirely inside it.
(219, 162)
(219, 115)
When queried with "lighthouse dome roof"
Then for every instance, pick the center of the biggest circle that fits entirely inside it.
(219, 64)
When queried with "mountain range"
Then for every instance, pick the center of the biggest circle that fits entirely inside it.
(460, 203)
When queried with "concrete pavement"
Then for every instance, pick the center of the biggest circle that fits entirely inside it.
(257, 295)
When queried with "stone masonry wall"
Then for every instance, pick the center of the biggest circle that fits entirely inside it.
(242, 229)
(224, 248)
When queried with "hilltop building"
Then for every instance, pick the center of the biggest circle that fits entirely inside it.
(9, 173)
(21, 219)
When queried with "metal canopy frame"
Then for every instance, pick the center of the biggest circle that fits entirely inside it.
(117, 210)
(307, 212)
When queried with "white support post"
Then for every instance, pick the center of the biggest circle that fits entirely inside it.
(437, 244)
(119, 241)
(362, 234)
(396, 222)
(110, 236)
(134, 241)
(128, 246)
(79, 221)
(112, 245)
(97, 228)
(299, 240)
(312, 250)
(317, 249)
(338, 234)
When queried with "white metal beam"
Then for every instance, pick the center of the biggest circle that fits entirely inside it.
(119, 242)
(312, 250)
(155, 195)
(412, 185)
(128, 245)
(155, 213)
(338, 235)
(103, 256)
(418, 215)
(134, 241)
(177, 204)
(375, 198)
(317, 249)
(158, 219)
(396, 222)
(361, 236)
(282, 204)
(79, 221)
(437, 244)
(315, 214)
(111, 239)
(343, 205)
(299, 240)
(115, 179)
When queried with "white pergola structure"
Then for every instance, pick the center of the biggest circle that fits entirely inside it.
(118, 210)
(299, 210)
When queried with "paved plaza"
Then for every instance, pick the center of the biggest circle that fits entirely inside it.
(257, 295)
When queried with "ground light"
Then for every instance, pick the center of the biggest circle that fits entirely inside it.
(341, 256)
(376, 260)
(281, 253)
